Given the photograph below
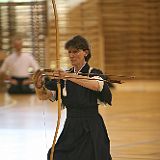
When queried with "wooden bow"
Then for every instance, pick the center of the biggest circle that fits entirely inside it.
(58, 83)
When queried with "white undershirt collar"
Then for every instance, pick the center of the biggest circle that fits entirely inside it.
(80, 68)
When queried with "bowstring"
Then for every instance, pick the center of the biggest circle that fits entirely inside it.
(36, 21)
(44, 124)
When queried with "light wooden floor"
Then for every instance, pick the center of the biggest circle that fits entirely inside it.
(27, 125)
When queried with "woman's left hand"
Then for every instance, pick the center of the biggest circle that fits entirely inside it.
(37, 79)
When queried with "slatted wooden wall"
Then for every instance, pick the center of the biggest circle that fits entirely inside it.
(132, 37)
(124, 35)
(83, 19)
(29, 19)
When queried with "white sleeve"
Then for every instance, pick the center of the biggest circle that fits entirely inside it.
(34, 64)
(4, 66)
(100, 82)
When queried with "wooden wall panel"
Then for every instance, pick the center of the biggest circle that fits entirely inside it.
(82, 19)
(132, 37)
(124, 35)
(28, 19)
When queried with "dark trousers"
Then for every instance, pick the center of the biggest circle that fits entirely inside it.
(20, 88)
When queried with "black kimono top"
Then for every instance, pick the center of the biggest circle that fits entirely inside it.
(78, 96)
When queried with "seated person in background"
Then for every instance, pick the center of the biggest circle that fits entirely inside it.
(16, 67)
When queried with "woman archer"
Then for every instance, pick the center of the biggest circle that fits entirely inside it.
(84, 136)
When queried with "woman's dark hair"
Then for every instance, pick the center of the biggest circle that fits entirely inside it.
(79, 42)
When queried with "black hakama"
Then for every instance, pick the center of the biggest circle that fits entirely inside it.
(84, 136)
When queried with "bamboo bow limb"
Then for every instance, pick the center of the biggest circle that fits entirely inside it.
(58, 83)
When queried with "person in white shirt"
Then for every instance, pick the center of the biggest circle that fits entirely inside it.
(16, 68)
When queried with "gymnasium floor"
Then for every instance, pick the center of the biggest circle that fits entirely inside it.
(27, 125)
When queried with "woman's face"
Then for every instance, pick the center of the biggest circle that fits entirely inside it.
(77, 56)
